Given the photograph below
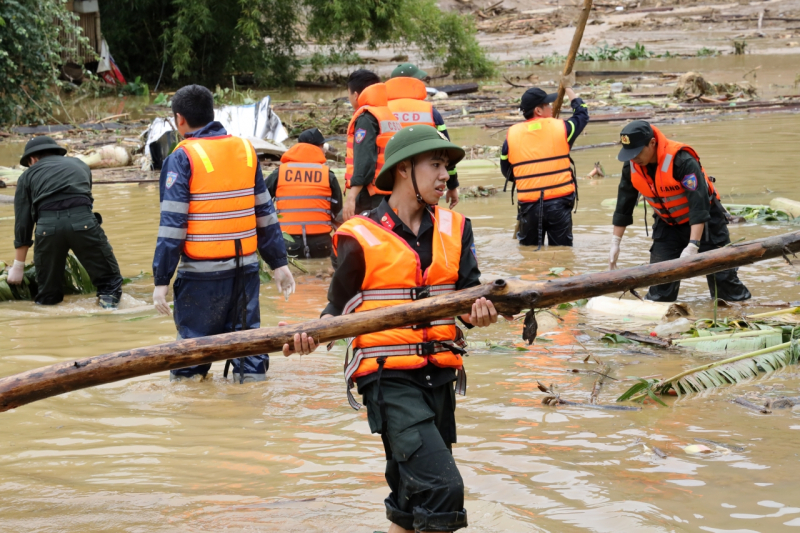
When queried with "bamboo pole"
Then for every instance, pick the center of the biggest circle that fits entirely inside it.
(791, 310)
(754, 333)
(573, 53)
(509, 297)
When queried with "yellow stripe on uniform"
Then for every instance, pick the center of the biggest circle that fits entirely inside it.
(203, 157)
(249, 152)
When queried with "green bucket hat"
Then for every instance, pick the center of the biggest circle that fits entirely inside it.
(411, 141)
(40, 144)
(409, 70)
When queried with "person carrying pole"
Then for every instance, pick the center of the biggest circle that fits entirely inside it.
(307, 196)
(371, 127)
(689, 217)
(408, 249)
(55, 195)
(216, 214)
(406, 93)
(535, 158)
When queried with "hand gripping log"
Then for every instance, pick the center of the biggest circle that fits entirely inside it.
(509, 296)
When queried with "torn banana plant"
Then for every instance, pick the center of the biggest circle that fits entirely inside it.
(720, 373)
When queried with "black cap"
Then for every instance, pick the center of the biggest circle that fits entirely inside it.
(311, 136)
(534, 98)
(40, 144)
(634, 137)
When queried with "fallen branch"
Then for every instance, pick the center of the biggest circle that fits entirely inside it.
(510, 297)
(635, 337)
(744, 403)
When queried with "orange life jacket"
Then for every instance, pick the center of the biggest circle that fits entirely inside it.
(221, 197)
(393, 276)
(373, 101)
(665, 194)
(538, 152)
(407, 101)
(303, 194)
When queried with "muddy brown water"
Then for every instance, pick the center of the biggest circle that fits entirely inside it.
(147, 455)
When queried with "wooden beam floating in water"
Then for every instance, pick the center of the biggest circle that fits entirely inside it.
(509, 296)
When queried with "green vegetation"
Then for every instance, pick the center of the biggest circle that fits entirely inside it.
(207, 42)
(606, 52)
(707, 52)
(76, 281)
(30, 56)
(761, 213)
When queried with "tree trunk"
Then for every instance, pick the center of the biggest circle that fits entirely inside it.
(509, 297)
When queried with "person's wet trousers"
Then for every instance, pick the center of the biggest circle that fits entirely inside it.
(76, 229)
(550, 217)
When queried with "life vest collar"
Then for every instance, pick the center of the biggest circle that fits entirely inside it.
(374, 95)
(304, 153)
(405, 87)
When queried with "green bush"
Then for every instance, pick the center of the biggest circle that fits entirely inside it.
(30, 57)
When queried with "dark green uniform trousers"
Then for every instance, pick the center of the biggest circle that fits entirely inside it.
(427, 489)
(76, 229)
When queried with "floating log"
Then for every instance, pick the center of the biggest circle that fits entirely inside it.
(509, 297)
(461, 88)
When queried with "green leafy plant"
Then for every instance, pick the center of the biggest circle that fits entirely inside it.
(35, 37)
(761, 213)
(136, 87)
(707, 52)
(606, 52)
(76, 281)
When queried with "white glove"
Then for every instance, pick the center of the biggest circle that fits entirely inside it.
(16, 272)
(690, 250)
(284, 281)
(614, 254)
(160, 299)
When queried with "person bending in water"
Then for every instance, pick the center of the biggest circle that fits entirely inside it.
(689, 217)
(406, 249)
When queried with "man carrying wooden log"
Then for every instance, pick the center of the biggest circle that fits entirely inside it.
(371, 127)
(216, 215)
(408, 249)
(55, 195)
(535, 157)
(307, 196)
(406, 93)
(689, 217)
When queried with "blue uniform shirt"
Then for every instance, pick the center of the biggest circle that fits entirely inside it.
(174, 197)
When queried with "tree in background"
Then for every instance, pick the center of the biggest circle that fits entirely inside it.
(206, 41)
(31, 55)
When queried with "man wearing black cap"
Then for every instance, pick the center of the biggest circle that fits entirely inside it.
(55, 195)
(535, 157)
(689, 217)
(307, 197)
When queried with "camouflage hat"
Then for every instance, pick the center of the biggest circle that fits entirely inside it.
(409, 70)
(411, 141)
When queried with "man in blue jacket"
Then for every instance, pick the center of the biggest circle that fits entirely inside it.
(216, 216)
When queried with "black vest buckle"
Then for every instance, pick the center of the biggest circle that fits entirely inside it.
(419, 293)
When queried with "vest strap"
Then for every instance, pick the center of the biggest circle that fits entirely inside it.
(326, 198)
(221, 236)
(223, 215)
(532, 161)
(304, 210)
(220, 195)
(542, 174)
(544, 188)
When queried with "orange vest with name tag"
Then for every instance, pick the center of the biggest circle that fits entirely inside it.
(222, 199)
(303, 194)
(665, 194)
(407, 101)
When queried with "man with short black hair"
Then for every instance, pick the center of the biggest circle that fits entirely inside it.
(55, 195)
(216, 214)
(307, 196)
(689, 217)
(535, 157)
(371, 127)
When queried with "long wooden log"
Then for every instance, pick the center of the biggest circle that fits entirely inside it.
(573, 52)
(509, 296)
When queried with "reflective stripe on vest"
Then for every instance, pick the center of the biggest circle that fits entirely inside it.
(221, 197)
(392, 277)
(303, 198)
(538, 152)
(660, 192)
(373, 101)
